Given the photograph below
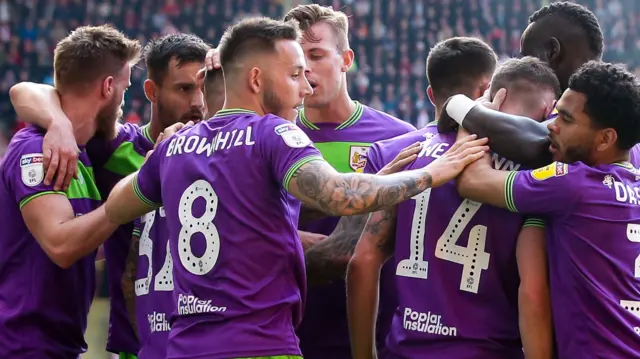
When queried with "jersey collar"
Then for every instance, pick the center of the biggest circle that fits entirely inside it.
(233, 111)
(355, 116)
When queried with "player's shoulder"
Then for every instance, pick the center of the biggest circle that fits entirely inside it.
(391, 124)
(26, 141)
(406, 139)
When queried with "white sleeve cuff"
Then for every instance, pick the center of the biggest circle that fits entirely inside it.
(458, 107)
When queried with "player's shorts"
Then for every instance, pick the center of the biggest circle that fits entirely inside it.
(127, 356)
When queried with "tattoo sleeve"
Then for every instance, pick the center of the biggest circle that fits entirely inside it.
(382, 225)
(328, 260)
(129, 281)
(318, 185)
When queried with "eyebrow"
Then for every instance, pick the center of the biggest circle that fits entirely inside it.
(564, 112)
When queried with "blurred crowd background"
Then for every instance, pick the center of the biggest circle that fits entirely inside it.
(391, 40)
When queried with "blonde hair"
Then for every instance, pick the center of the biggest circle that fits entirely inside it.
(309, 15)
(89, 53)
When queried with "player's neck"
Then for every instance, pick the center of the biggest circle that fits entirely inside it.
(83, 116)
(155, 127)
(233, 101)
(337, 111)
(609, 158)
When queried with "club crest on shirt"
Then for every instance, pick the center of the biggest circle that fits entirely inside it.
(292, 135)
(556, 169)
(32, 169)
(358, 158)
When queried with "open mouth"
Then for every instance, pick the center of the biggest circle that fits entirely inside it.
(313, 84)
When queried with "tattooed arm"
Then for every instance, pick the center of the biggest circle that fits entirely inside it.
(129, 280)
(320, 186)
(375, 247)
(327, 260)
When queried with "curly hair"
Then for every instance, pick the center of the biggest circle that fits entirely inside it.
(613, 99)
(579, 16)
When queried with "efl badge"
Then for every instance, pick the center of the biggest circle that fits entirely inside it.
(358, 158)
(292, 135)
(32, 169)
(555, 169)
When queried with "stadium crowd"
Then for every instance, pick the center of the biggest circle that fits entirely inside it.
(347, 258)
(388, 73)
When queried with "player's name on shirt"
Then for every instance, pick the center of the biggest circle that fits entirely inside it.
(437, 149)
(224, 140)
(624, 191)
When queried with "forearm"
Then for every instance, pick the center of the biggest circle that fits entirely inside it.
(318, 185)
(78, 237)
(536, 328)
(363, 278)
(483, 184)
(36, 103)
(327, 261)
(129, 280)
(123, 205)
(517, 138)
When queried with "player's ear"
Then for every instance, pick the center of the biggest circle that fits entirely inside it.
(554, 53)
(347, 60)
(430, 95)
(255, 80)
(606, 139)
(108, 87)
(150, 90)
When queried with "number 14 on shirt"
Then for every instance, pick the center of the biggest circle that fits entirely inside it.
(473, 257)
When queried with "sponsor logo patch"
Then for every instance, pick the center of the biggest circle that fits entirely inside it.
(555, 169)
(292, 135)
(32, 169)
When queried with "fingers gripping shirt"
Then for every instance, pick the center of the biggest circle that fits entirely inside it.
(592, 224)
(47, 305)
(222, 186)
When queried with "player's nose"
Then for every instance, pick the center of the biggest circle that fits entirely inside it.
(197, 100)
(306, 88)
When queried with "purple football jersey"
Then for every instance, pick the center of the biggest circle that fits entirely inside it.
(154, 285)
(634, 156)
(379, 155)
(238, 263)
(113, 160)
(456, 273)
(593, 244)
(324, 332)
(43, 308)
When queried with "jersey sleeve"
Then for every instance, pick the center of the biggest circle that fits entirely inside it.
(24, 171)
(533, 222)
(137, 228)
(146, 184)
(286, 148)
(546, 190)
(374, 160)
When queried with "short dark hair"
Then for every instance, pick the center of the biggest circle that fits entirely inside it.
(89, 53)
(455, 65)
(252, 36)
(184, 48)
(213, 87)
(576, 15)
(525, 74)
(613, 99)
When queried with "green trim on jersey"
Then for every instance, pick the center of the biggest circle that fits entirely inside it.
(141, 197)
(296, 166)
(27, 199)
(82, 187)
(533, 222)
(276, 357)
(355, 116)
(137, 233)
(124, 160)
(146, 131)
(508, 191)
(127, 356)
(338, 154)
(233, 111)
